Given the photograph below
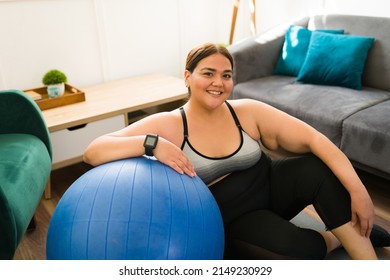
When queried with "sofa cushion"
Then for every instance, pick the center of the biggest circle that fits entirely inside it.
(25, 166)
(335, 59)
(377, 71)
(366, 137)
(295, 46)
(323, 107)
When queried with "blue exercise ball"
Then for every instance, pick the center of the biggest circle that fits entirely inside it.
(136, 209)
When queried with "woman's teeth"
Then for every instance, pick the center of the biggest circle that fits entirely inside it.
(215, 92)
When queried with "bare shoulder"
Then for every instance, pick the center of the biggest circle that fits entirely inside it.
(258, 118)
(250, 114)
(166, 124)
(246, 103)
(162, 117)
(251, 106)
(160, 121)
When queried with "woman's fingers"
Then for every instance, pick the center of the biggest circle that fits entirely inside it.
(173, 156)
(182, 165)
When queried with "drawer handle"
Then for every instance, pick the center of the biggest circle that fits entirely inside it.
(77, 127)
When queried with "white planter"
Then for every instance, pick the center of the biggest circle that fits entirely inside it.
(56, 90)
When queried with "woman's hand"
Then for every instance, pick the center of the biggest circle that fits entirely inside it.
(171, 155)
(362, 212)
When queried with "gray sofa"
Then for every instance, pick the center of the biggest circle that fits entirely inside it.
(357, 121)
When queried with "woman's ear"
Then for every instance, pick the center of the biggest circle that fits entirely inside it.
(186, 77)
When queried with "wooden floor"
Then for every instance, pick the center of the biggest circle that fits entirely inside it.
(33, 246)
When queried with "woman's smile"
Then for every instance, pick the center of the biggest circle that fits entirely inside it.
(213, 92)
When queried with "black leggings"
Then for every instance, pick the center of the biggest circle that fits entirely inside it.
(257, 205)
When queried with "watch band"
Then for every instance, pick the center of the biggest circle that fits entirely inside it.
(148, 151)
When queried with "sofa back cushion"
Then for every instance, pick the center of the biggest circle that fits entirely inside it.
(296, 44)
(377, 69)
(335, 59)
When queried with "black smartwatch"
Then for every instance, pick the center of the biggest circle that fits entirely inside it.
(150, 143)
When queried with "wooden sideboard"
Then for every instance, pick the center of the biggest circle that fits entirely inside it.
(108, 107)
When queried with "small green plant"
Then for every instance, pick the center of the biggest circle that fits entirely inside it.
(53, 77)
(224, 44)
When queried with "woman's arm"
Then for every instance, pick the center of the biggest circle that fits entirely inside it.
(128, 142)
(124, 143)
(280, 130)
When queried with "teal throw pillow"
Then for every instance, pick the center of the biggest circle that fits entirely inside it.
(334, 59)
(296, 44)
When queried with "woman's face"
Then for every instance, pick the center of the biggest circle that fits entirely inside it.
(211, 80)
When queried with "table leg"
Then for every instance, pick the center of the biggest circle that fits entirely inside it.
(48, 189)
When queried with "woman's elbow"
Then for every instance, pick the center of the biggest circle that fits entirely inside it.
(88, 157)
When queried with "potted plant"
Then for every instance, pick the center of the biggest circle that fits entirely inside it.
(55, 81)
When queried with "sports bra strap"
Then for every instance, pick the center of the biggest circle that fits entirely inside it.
(183, 115)
(233, 114)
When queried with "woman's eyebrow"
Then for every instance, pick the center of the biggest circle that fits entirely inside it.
(214, 70)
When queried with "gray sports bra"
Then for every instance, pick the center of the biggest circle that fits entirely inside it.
(211, 168)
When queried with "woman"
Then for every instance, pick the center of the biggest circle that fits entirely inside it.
(218, 140)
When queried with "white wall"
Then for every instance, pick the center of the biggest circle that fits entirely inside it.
(39, 35)
(378, 8)
(94, 41)
(272, 13)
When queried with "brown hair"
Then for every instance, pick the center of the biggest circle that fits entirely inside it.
(200, 52)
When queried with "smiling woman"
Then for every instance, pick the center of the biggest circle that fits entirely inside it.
(218, 140)
(195, 56)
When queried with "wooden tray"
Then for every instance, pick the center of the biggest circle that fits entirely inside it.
(71, 95)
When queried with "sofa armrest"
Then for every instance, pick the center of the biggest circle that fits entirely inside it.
(20, 114)
(256, 56)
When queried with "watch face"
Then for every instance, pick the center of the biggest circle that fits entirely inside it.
(150, 141)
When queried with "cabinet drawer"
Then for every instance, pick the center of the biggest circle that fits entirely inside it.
(69, 144)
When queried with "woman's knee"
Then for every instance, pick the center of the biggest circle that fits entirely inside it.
(263, 234)
(296, 182)
(332, 201)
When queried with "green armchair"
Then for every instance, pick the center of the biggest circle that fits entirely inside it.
(25, 165)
